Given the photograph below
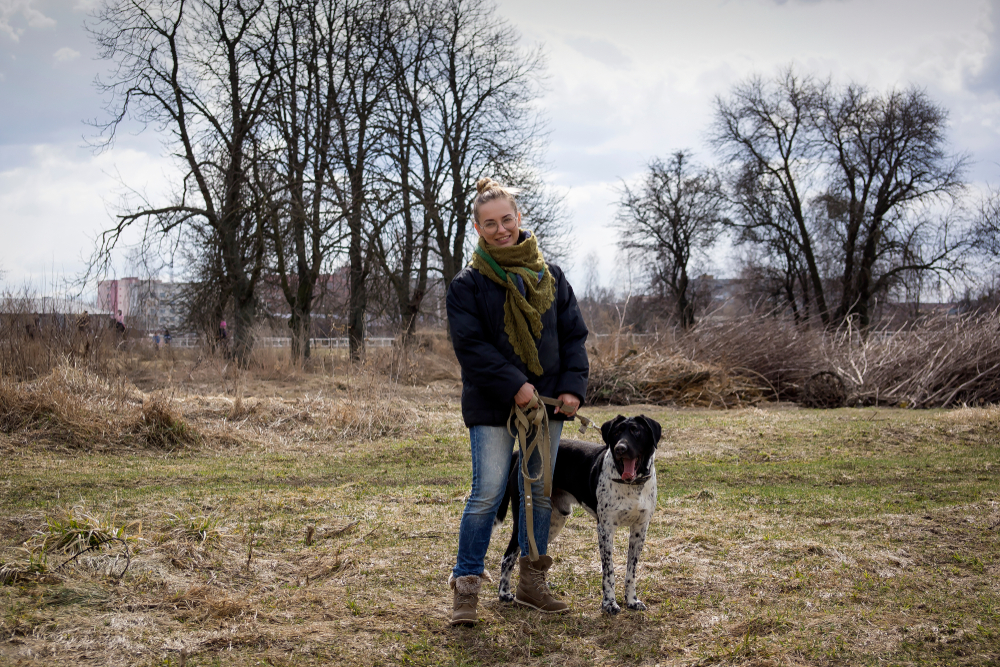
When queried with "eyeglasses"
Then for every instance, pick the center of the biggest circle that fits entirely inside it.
(509, 223)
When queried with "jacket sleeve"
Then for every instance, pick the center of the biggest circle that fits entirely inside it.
(574, 368)
(482, 363)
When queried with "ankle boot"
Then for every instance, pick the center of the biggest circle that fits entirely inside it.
(532, 590)
(463, 609)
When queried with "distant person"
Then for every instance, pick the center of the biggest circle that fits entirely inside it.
(166, 337)
(120, 323)
(83, 333)
(156, 340)
(223, 332)
(31, 328)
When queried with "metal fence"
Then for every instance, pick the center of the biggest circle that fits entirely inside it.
(282, 342)
(321, 343)
(388, 341)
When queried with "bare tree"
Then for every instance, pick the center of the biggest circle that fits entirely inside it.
(203, 72)
(765, 226)
(403, 248)
(674, 213)
(851, 185)
(887, 158)
(357, 83)
(987, 228)
(459, 107)
(311, 104)
(478, 116)
(766, 129)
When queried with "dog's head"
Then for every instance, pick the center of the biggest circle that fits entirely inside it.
(632, 441)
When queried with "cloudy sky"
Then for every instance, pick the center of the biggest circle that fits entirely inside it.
(627, 81)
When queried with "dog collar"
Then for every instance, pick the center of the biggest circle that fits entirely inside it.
(638, 481)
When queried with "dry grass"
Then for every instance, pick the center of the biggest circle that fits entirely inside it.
(783, 536)
(74, 407)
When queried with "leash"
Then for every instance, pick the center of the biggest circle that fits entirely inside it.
(533, 418)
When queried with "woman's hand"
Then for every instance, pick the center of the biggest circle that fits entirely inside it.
(570, 404)
(524, 394)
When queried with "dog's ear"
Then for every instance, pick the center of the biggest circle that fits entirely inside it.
(609, 430)
(653, 426)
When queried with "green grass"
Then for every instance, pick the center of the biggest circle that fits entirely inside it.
(782, 536)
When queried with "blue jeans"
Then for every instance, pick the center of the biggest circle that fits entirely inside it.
(492, 450)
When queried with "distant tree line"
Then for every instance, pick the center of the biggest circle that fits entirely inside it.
(312, 134)
(835, 195)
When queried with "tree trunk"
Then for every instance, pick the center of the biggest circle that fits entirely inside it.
(300, 322)
(358, 299)
(685, 308)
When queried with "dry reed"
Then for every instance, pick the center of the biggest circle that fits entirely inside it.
(370, 409)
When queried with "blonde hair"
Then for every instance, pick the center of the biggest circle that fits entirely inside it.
(489, 190)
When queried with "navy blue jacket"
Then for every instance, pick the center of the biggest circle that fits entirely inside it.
(492, 373)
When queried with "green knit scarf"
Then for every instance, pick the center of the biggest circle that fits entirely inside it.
(522, 315)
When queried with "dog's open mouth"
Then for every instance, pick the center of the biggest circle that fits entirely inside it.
(628, 469)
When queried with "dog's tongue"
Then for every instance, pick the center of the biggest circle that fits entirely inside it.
(629, 473)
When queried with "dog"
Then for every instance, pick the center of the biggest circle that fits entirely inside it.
(614, 482)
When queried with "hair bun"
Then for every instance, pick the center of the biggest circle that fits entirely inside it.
(485, 183)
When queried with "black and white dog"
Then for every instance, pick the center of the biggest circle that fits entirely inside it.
(614, 482)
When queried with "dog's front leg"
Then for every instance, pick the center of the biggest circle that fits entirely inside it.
(636, 540)
(606, 544)
(506, 570)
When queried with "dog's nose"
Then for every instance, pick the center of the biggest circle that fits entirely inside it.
(620, 448)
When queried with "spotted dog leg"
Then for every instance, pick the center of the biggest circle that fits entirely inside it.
(606, 543)
(506, 570)
(636, 540)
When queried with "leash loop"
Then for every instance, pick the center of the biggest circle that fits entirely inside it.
(533, 419)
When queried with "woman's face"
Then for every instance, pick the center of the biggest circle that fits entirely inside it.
(499, 224)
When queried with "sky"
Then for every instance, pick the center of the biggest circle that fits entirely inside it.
(626, 81)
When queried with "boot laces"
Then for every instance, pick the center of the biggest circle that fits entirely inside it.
(465, 600)
(540, 583)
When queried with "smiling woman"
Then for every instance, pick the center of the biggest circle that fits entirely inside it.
(517, 329)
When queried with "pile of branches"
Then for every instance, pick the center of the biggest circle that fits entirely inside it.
(652, 377)
(940, 361)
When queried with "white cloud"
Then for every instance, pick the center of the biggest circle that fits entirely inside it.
(664, 63)
(600, 50)
(65, 55)
(58, 201)
(9, 9)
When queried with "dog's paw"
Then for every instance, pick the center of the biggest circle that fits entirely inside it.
(506, 596)
(610, 607)
(636, 606)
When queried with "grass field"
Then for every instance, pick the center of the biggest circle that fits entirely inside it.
(286, 536)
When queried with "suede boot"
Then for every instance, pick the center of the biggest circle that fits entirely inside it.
(532, 590)
(463, 609)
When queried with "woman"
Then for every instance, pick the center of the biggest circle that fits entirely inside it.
(517, 329)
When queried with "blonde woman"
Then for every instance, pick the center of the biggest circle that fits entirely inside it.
(517, 329)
